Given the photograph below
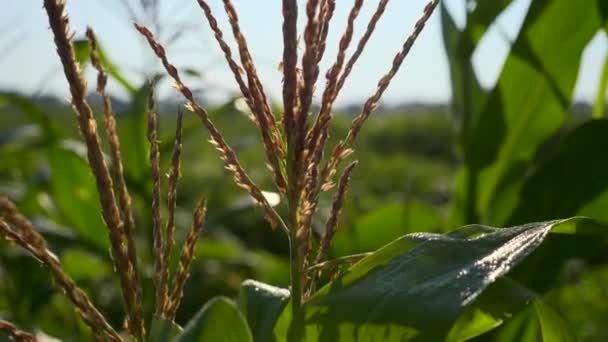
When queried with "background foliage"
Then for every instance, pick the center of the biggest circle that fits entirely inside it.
(505, 156)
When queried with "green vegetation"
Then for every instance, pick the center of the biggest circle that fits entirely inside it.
(417, 251)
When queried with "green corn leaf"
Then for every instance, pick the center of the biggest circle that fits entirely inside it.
(483, 16)
(575, 168)
(417, 287)
(82, 50)
(523, 327)
(75, 193)
(83, 266)
(162, 330)
(553, 326)
(532, 96)
(132, 130)
(261, 304)
(219, 321)
(495, 306)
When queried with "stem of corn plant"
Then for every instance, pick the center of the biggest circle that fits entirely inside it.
(295, 255)
(467, 112)
(296, 271)
(290, 84)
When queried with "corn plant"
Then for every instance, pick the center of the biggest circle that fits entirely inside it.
(421, 287)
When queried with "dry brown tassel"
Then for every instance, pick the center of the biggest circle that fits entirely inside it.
(331, 225)
(174, 174)
(330, 93)
(25, 236)
(310, 68)
(317, 137)
(124, 199)
(255, 86)
(160, 264)
(325, 15)
(290, 61)
(318, 134)
(271, 137)
(342, 149)
(332, 222)
(308, 206)
(226, 153)
(185, 260)
(59, 24)
(234, 67)
(371, 26)
(15, 333)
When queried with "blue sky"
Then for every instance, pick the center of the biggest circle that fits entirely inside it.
(30, 64)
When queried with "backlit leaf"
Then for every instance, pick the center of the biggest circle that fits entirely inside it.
(415, 288)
